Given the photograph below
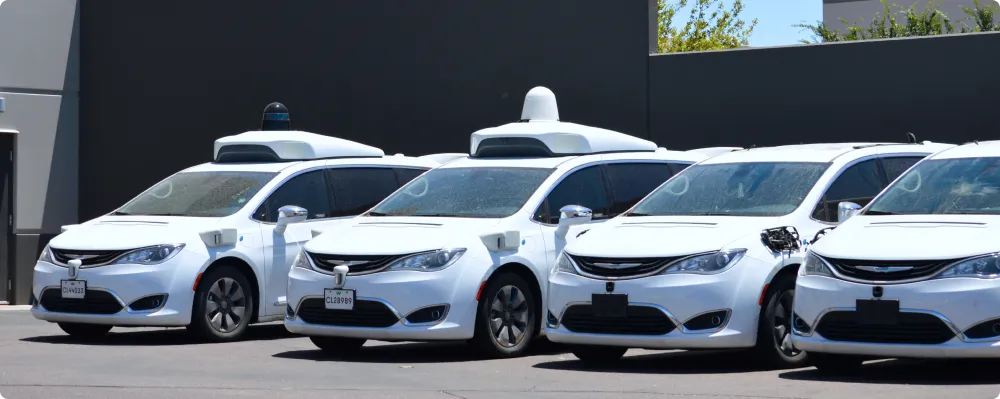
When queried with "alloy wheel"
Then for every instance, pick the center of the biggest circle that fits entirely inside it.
(509, 316)
(782, 325)
(226, 305)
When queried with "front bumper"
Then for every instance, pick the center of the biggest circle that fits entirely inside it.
(124, 284)
(953, 306)
(680, 298)
(402, 293)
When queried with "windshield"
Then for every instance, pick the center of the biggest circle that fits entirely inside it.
(464, 192)
(944, 187)
(734, 189)
(200, 194)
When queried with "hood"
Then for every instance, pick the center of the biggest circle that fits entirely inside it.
(652, 236)
(398, 235)
(911, 237)
(129, 232)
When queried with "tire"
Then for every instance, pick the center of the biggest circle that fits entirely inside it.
(229, 314)
(85, 331)
(836, 365)
(774, 342)
(338, 346)
(599, 354)
(494, 336)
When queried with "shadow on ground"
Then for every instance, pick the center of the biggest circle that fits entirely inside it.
(913, 372)
(415, 352)
(160, 337)
(673, 362)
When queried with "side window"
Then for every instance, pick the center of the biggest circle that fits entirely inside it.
(678, 167)
(356, 190)
(307, 190)
(859, 183)
(584, 187)
(404, 175)
(630, 182)
(895, 166)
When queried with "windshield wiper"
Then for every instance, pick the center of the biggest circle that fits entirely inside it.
(712, 214)
(376, 214)
(880, 213)
(164, 214)
(443, 215)
(638, 214)
(120, 213)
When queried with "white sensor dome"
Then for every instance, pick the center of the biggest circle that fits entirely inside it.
(540, 105)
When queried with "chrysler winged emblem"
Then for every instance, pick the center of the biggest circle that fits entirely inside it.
(74, 268)
(347, 263)
(617, 265)
(884, 269)
(81, 257)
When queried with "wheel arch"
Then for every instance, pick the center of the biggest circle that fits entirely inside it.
(243, 267)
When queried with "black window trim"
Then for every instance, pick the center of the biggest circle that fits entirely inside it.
(328, 188)
(878, 167)
(607, 185)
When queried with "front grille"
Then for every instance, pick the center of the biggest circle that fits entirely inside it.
(87, 257)
(612, 267)
(94, 302)
(639, 320)
(918, 268)
(913, 328)
(370, 263)
(364, 314)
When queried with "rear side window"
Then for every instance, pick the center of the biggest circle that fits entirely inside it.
(584, 187)
(630, 182)
(859, 183)
(307, 190)
(895, 166)
(356, 190)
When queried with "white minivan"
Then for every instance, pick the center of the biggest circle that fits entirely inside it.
(916, 274)
(463, 251)
(709, 259)
(210, 246)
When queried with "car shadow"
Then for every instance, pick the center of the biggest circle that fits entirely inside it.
(415, 352)
(912, 372)
(161, 337)
(673, 362)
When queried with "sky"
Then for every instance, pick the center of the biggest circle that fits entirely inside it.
(775, 19)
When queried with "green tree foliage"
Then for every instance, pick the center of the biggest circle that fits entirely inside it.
(896, 21)
(711, 26)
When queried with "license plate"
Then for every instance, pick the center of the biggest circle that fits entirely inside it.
(74, 289)
(339, 299)
(877, 312)
(609, 305)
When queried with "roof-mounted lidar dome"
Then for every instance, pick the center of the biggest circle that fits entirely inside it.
(276, 117)
(540, 105)
(539, 133)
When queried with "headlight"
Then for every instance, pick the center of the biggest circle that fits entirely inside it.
(564, 265)
(814, 266)
(428, 261)
(987, 266)
(46, 255)
(150, 255)
(302, 261)
(707, 264)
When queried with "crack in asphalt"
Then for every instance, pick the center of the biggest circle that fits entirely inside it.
(450, 392)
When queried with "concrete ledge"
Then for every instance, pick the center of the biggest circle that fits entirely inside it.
(14, 307)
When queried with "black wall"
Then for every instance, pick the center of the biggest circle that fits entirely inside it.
(162, 80)
(941, 89)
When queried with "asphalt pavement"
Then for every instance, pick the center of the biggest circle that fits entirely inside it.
(38, 361)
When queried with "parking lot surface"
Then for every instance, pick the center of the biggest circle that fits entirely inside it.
(38, 361)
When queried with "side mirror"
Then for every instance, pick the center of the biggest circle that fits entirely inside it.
(572, 215)
(845, 210)
(289, 214)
